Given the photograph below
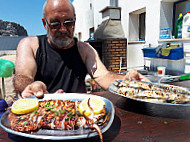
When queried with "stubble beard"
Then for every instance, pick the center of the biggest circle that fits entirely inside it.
(60, 43)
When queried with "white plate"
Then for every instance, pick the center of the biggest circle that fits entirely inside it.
(63, 134)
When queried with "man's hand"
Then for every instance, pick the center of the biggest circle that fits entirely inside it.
(133, 74)
(60, 91)
(36, 88)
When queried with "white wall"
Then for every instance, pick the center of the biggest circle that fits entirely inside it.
(135, 55)
(84, 18)
(128, 7)
(87, 18)
(152, 17)
(166, 12)
(156, 18)
(152, 8)
(152, 22)
(98, 6)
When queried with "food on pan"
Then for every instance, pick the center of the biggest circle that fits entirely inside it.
(149, 91)
(61, 115)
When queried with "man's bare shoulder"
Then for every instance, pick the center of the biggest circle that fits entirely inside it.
(83, 46)
(28, 43)
(85, 50)
(29, 40)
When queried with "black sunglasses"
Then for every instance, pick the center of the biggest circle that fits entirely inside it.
(57, 25)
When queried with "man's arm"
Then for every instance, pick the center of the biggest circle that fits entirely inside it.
(97, 69)
(25, 65)
(18, 82)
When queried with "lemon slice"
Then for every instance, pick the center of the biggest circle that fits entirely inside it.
(97, 105)
(23, 106)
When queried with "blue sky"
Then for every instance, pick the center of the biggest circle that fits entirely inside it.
(27, 13)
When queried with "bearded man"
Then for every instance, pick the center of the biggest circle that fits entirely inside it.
(57, 61)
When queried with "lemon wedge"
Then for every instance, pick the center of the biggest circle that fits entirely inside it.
(23, 106)
(98, 105)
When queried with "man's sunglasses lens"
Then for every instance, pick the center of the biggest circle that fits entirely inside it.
(67, 24)
(55, 25)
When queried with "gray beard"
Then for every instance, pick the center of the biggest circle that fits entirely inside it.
(59, 43)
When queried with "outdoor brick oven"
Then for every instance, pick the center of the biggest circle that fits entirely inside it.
(109, 39)
(112, 51)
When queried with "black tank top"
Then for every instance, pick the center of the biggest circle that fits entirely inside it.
(60, 69)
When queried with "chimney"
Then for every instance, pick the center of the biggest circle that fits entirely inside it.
(111, 26)
(109, 39)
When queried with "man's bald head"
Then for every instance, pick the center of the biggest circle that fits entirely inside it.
(56, 12)
(53, 3)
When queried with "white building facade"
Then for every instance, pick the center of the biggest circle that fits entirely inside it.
(156, 14)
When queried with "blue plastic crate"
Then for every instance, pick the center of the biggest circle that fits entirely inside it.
(149, 52)
(175, 54)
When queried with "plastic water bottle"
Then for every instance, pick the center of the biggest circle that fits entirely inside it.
(167, 33)
(186, 26)
(161, 33)
(164, 33)
(179, 33)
